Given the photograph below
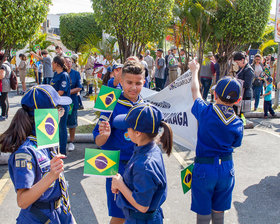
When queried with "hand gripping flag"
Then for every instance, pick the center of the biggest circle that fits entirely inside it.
(107, 99)
(101, 162)
(186, 177)
(47, 129)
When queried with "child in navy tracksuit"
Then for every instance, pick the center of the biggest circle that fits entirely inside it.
(37, 174)
(110, 138)
(142, 188)
(219, 130)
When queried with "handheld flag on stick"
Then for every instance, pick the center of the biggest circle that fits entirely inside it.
(107, 99)
(36, 47)
(68, 53)
(13, 53)
(32, 60)
(101, 162)
(47, 129)
(186, 177)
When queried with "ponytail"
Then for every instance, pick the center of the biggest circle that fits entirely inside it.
(61, 62)
(166, 138)
(18, 131)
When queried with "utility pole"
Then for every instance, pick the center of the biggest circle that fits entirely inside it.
(277, 39)
(276, 101)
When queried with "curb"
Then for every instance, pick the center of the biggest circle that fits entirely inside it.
(83, 138)
(260, 115)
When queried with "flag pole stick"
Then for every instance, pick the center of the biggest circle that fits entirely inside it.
(110, 116)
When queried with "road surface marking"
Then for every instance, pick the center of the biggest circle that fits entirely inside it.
(5, 186)
(269, 132)
(86, 120)
(179, 158)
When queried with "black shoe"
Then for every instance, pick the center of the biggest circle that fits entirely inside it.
(81, 107)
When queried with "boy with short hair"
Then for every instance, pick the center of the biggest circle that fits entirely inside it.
(110, 138)
(219, 130)
(114, 82)
(47, 65)
(267, 106)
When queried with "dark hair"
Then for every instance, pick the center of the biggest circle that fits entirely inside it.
(233, 95)
(20, 128)
(57, 47)
(44, 52)
(106, 78)
(238, 56)
(166, 138)
(1, 55)
(133, 67)
(140, 56)
(61, 62)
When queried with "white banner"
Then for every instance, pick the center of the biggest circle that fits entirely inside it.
(175, 101)
(277, 22)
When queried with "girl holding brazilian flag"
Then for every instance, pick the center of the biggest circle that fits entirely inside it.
(37, 172)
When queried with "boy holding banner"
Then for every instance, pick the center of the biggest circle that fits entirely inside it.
(110, 138)
(219, 130)
(35, 169)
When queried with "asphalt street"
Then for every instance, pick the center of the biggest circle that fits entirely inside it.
(256, 196)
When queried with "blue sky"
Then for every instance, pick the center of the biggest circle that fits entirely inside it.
(67, 6)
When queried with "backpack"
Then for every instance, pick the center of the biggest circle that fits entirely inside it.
(13, 81)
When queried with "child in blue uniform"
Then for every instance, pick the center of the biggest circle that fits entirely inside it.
(110, 138)
(143, 188)
(61, 83)
(114, 82)
(76, 87)
(37, 174)
(219, 130)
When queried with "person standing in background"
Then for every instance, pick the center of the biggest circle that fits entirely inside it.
(258, 79)
(207, 72)
(173, 65)
(22, 72)
(160, 69)
(151, 64)
(5, 73)
(75, 88)
(245, 73)
(166, 74)
(61, 84)
(47, 65)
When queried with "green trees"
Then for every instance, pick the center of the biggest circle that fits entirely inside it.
(75, 28)
(133, 22)
(19, 20)
(221, 26)
(239, 25)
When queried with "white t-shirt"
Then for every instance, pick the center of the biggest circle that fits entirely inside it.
(258, 70)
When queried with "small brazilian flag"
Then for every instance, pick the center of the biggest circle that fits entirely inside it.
(186, 177)
(47, 129)
(101, 162)
(36, 47)
(68, 53)
(107, 99)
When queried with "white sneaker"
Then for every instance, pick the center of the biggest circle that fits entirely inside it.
(71, 147)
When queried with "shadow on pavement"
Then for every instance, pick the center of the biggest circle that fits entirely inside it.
(262, 203)
(80, 205)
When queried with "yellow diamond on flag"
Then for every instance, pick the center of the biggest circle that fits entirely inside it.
(108, 98)
(101, 162)
(188, 178)
(48, 126)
